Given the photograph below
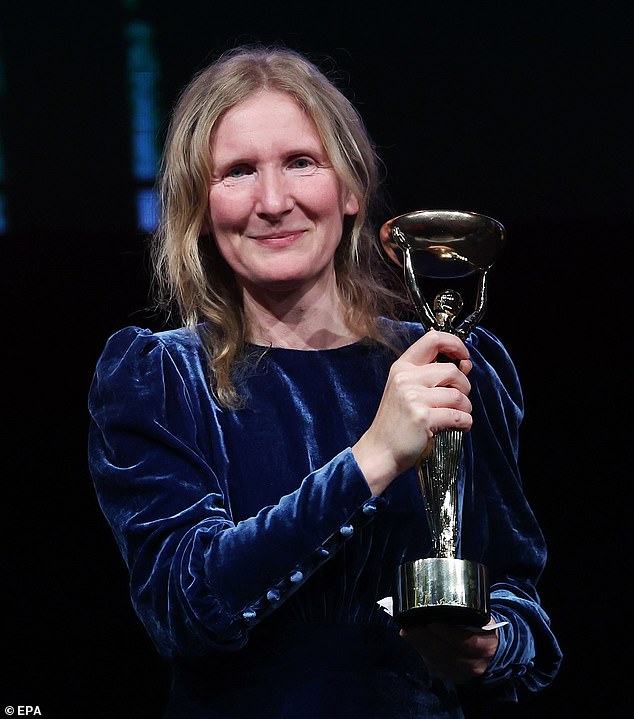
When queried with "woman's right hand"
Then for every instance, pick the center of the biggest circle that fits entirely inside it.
(421, 396)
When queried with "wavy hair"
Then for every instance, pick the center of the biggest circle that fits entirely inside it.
(190, 275)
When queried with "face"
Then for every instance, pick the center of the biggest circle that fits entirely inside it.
(276, 205)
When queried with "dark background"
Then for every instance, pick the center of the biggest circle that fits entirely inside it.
(520, 111)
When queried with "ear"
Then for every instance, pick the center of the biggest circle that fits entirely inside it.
(351, 204)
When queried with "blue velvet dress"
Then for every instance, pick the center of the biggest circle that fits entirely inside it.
(256, 552)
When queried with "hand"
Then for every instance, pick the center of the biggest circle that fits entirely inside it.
(421, 396)
(453, 652)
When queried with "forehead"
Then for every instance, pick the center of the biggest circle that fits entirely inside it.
(265, 115)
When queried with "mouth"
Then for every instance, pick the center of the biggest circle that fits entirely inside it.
(278, 239)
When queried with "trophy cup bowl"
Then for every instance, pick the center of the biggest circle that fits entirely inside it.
(443, 245)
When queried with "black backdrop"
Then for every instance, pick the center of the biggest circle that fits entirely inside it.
(519, 111)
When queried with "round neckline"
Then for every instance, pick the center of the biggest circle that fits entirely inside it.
(307, 350)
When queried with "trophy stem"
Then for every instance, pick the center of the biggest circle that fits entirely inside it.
(438, 476)
(442, 588)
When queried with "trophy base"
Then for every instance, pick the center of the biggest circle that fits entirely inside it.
(439, 589)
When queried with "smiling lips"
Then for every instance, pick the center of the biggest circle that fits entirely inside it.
(278, 239)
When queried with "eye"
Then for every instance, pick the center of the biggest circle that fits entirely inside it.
(302, 163)
(238, 171)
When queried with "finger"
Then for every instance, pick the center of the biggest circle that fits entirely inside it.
(465, 366)
(453, 399)
(438, 374)
(472, 646)
(434, 343)
(450, 632)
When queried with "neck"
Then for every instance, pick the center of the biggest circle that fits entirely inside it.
(309, 319)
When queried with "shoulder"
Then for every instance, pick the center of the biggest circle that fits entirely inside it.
(492, 363)
(132, 341)
(134, 355)
(482, 342)
(487, 349)
(494, 368)
(401, 333)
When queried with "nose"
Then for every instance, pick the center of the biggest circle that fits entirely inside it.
(274, 197)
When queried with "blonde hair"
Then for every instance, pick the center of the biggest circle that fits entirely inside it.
(190, 274)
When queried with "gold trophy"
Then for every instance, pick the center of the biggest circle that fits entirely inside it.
(432, 246)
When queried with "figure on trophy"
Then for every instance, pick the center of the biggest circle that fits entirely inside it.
(443, 245)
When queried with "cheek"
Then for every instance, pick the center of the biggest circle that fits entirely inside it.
(226, 209)
(323, 196)
(222, 221)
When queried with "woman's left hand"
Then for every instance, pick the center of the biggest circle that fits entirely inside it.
(453, 652)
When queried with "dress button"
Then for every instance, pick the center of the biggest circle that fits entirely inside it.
(273, 595)
(249, 615)
(347, 530)
(323, 552)
(374, 503)
(296, 577)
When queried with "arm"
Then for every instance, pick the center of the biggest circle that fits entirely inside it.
(528, 656)
(200, 581)
(500, 530)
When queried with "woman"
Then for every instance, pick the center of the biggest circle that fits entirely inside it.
(256, 465)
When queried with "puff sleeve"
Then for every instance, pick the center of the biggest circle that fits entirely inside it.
(200, 580)
(500, 522)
